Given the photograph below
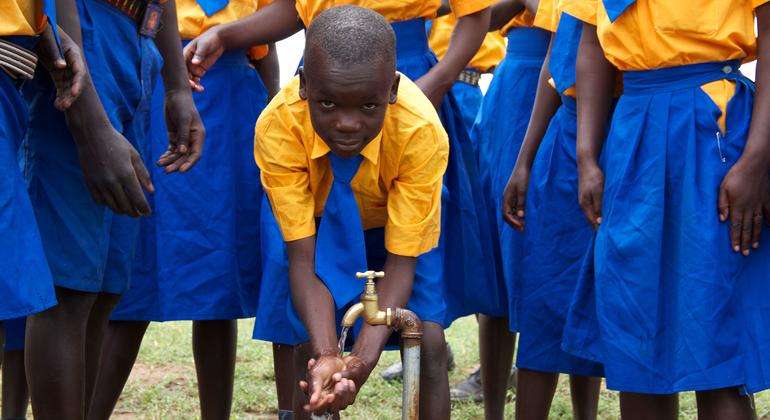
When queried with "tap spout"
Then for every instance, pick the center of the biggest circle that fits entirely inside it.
(352, 314)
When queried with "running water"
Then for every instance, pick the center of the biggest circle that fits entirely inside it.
(343, 338)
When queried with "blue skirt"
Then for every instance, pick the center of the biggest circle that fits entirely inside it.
(469, 98)
(497, 134)
(89, 248)
(556, 237)
(672, 307)
(198, 257)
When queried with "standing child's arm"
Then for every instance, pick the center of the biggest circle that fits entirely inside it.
(595, 86)
(185, 128)
(745, 191)
(547, 101)
(112, 168)
(67, 69)
(502, 12)
(467, 36)
(269, 69)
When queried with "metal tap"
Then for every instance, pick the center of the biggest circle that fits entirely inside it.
(369, 305)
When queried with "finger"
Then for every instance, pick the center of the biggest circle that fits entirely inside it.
(135, 195)
(142, 174)
(586, 202)
(746, 230)
(197, 138)
(303, 386)
(509, 198)
(96, 194)
(757, 229)
(175, 165)
(736, 224)
(310, 364)
(723, 205)
(182, 133)
(77, 73)
(124, 205)
(597, 200)
(108, 200)
(50, 50)
(168, 158)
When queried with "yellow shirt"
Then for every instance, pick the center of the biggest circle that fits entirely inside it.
(21, 17)
(393, 10)
(490, 53)
(522, 20)
(398, 185)
(654, 34)
(193, 21)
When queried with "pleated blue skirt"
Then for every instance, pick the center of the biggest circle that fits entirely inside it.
(199, 256)
(498, 133)
(556, 238)
(672, 307)
(469, 98)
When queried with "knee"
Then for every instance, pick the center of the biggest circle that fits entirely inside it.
(433, 353)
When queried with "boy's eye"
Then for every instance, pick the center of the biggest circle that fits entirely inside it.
(326, 104)
(369, 107)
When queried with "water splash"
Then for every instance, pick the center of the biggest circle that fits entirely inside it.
(343, 338)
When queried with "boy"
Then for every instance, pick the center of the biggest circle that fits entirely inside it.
(680, 291)
(83, 173)
(349, 107)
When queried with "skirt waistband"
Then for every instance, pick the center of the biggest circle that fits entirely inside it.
(411, 38)
(649, 82)
(527, 42)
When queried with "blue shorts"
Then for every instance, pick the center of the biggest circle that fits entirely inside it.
(89, 248)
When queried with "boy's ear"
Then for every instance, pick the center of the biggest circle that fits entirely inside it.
(302, 92)
(394, 89)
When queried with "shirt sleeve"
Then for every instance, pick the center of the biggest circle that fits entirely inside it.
(585, 10)
(547, 15)
(283, 164)
(414, 199)
(757, 3)
(468, 7)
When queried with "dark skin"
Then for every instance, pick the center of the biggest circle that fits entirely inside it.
(279, 20)
(347, 108)
(15, 392)
(496, 346)
(743, 197)
(536, 389)
(502, 12)
(269, 71)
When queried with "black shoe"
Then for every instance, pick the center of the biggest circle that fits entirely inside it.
(396, 370)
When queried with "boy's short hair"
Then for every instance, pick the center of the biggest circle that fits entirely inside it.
(349, 36)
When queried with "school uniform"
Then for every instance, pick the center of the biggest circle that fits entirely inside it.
(15, 333)
(26, 285)
(199, 255)
(397, 195)
(672, 307)
(466, 89)
(557, 233)
(497, 135)
(89, 248)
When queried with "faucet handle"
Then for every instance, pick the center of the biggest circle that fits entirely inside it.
(370, 275)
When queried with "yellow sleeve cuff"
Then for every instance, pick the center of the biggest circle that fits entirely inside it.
(468, 7)
(584, 10)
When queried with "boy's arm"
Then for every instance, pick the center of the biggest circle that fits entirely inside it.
(744, 193)
(185, 128)
(547, 101)
(467, 36)
(112, 168)
(269, 70)
(67, 69)
(272, 23)
(502, 12)
(595, 86)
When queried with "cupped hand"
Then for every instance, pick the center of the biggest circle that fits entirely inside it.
(186, 133)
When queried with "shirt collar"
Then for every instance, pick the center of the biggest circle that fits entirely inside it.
(371, 152)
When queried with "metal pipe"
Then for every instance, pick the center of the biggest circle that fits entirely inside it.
(410, 326)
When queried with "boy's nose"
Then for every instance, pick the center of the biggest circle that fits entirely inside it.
(348, 124)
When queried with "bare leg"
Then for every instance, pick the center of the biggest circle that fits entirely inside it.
(585, 396)
(55, 359)
(724, 404)
(496, 345)
(283, 365)
(635, 406)
(97, 329)
(15, 392)
(434, 380)
(214, 347)
(121, 346)
(302, 354)
(534, 393)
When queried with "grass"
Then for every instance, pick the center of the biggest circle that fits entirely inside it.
(162, 385)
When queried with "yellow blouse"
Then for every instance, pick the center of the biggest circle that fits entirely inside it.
(398, 185)
(654, 34)
(522, 20)
(193, 21)
(490, 53)
(21, 17)
(393, 10)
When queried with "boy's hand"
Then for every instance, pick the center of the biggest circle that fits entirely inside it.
(68, 73)
(113, 170)
(591, 191)
(202, 53)
(186, 133)
(515, 198)
(744, 196)
(325, 390)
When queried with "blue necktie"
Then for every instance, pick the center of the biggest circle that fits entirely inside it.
(210, 7)
(49, 9)
(615, 8)
(340, 249)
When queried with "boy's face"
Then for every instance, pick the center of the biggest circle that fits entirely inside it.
(348, 105)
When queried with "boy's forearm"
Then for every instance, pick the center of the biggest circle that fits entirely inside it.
(502, 12)
(269, 71)
(272, 23)
(170, 46)
(547, 102)
(312, 300)
(467, 36)
(757, 150)
(595, 86)
(393, 291)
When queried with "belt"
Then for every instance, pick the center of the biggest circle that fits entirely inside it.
(650, 82)
(16, 61)
(470, 76)
(147, 13)
(132, 8)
